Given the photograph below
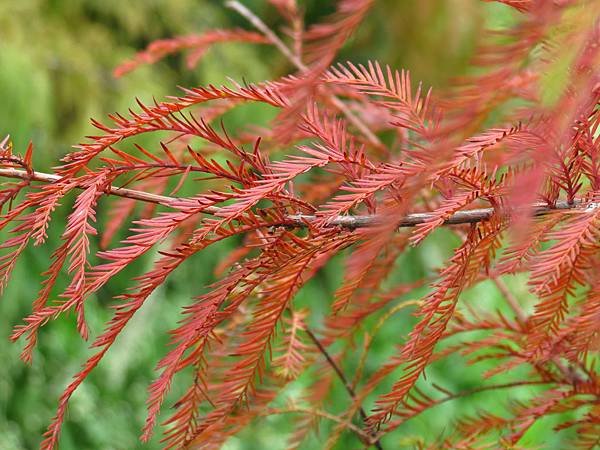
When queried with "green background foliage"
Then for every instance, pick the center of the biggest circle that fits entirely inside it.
(56, 62)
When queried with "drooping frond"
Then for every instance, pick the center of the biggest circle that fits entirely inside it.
(292, 359)
(557, 270)
(435, 314)
(123, 314)
(197, 45)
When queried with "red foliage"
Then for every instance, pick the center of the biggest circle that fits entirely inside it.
(522, 183)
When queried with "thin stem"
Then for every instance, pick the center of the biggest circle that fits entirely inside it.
(318, 413)
(296, 61)
(369, 338)
(304, 220)
(512, 302)
(567, 372)
(452, 396)
(336, 368)
(257, 23)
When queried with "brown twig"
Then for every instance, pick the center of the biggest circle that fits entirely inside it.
(414, 219)
(304, 220)
(336, 368)
(296, 61)
(8, 172)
